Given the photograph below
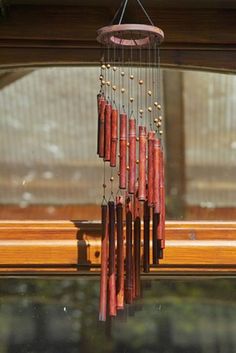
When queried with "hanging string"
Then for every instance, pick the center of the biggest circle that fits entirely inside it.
(160, 93)
(150, 93)
(117, 12)
(145, 12)
(123, 11)
(104, 201)
(112, 192)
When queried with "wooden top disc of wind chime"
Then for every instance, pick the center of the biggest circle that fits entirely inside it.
(130, 35)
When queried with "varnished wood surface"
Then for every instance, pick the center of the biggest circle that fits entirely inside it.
(72, 230)
(210, 60)
(65, 246)
(51, 212)
(205, 213)
(93, 212)
(49, 35)
(79, 24)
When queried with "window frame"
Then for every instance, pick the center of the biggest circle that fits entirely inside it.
(35, 36)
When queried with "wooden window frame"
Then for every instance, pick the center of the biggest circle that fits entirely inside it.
(34, 36)
(67, 247)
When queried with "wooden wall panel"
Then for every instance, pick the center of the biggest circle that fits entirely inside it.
(49, 35)
(79, 24)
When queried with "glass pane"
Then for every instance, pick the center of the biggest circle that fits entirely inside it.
(175, 315)
(48, 144)
(210, 141)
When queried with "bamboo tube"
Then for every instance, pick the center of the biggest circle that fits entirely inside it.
(101, 131)
(123, 150)
(128, 263)
(104, 257)
(112, 275)
(155, 222)
(107, 152)
(142, 163)
(156, 177)
(146, 237)
(137, 245)
(161, 226)
(114, 122)
(133, 280)
(132, 156)
(151, 137)
(120, 253)
(99, 98)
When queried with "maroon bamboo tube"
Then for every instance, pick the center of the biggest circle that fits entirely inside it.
(155, 222)
(112, 274)
(132, 156)
(128, 263)
(133, 280)
(98, 106)
(123, 150)
(156, 176)
(151, 137)
(137, 245)
(114, 122)
(146, 237)
(104, 256)
(107, 153)
(120, 253)
(101, 131)
(161, 226)
(142, 164)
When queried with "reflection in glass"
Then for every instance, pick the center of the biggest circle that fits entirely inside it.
(60, 315)
(48, 144)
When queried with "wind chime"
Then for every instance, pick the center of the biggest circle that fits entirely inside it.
(130, 139)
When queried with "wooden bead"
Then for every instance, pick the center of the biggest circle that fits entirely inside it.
(114, 68)
(160, 132)
(111, 178)
(156, 120)
(149, 109)
(127, 144)
(160, 118)
(131, 99)
(140, 82)
(103, 82)
(127, 167)
(101, 77)
(122, 90)
(131, 77)
(156, 104)
(137, 139)
(141, 111)
(137, 161)
(149, 93)
(114, 88)
(122, 73)
(159, 106)
(103, 67)
(108, 66)
(108, 83)
(158, 124)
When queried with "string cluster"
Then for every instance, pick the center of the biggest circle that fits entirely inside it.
(130, 139)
